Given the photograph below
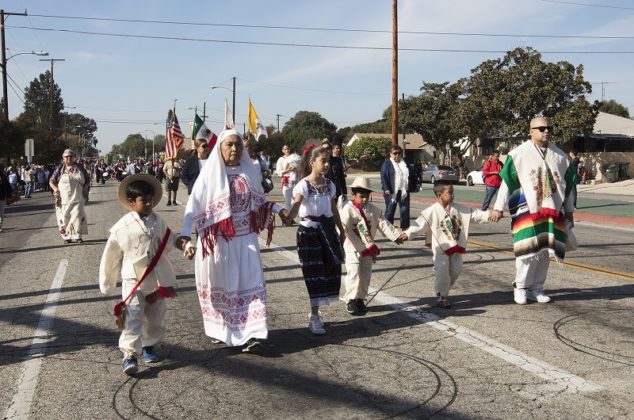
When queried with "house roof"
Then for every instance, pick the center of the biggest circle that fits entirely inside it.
(414, 141)
(607, 124)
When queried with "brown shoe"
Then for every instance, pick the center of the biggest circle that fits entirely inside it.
(443, 303)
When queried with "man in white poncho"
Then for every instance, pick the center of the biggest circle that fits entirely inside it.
(228, 208)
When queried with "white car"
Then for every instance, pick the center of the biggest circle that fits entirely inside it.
(475, 178)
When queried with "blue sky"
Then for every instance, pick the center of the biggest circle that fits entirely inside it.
(127, 84)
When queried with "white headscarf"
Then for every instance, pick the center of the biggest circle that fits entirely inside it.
(209, 202)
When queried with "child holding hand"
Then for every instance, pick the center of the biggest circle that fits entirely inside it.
(134, 253)
(446, 229)
(361, 220)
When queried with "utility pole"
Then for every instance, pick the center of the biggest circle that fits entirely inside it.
(52, 60)
(394, 73)
(233, 110)
(204, 111)
(278, 123)
(5, 94)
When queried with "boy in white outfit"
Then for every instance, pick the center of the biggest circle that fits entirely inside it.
(360, 221)
(133, 243)
(446, 229)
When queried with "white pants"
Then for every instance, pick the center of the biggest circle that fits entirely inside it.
(446, 270)
(144, 325)
(531, 271)
(358, 273)
(288, 196)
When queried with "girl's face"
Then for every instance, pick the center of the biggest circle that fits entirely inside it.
(142, 204)
(321, 164)
(446, 196)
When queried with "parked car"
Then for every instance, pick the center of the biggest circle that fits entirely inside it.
(433, 173)
(475, 178)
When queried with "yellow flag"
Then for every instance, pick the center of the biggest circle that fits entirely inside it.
(253, 118)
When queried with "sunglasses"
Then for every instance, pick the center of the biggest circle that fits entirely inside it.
(543, 128)
(396, 153)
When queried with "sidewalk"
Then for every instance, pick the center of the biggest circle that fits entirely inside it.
(590, 207)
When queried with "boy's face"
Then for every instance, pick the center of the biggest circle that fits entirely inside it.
(361, 197)
(142, 205)
(446, 196)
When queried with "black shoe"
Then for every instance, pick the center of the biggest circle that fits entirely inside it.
(253, 346)
(361, 305)
(169, 203)
(351, 307)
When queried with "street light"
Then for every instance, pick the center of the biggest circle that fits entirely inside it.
(153, 138)
(233, 91)
(5, 99)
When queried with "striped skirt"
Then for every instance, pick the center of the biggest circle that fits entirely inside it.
(322, 277)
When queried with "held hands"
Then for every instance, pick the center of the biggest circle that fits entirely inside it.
(402, 238)
(284, 217)
(495, 216)
(184, 244)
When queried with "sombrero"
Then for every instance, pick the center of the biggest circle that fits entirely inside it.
(156, 185)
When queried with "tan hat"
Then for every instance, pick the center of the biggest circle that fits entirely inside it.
(156, 185)
(361, 182)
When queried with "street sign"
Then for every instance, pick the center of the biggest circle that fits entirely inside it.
(29, 149)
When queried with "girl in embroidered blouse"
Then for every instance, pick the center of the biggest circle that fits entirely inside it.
(318, 243)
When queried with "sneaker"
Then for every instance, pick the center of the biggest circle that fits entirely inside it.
(520, 296)
(538, 295)
(315, 325)
(351, 307)
(252, 346)
(130, 365)
(442, 302)
(361, 305)
(169, 203)
(149, 356)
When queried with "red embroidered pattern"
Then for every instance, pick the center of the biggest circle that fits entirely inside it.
(233, 309)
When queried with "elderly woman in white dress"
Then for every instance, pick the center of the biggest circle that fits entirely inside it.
(228, 208)
(70, 184)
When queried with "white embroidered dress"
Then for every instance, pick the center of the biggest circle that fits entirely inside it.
(230, 281)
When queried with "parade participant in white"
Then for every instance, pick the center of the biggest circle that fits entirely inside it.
(70, 184)
(287, 167)
(228, 208)
(446, 229)
(134, 241)
(361, 220)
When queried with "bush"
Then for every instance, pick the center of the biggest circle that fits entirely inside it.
(369, 150)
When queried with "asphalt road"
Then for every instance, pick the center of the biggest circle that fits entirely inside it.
(486, 357)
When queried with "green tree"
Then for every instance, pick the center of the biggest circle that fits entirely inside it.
(613, 107)
(430, 114)
(37, 104)
(306, 125)
(371, 150)
(133, 146)
(531, 87)
(11, 140)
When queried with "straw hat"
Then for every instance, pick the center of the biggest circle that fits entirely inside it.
(361, 182)
(156, 185)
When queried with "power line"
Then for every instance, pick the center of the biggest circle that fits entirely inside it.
(328, 29)
(603, 6)
(316, 90)
(291, 44)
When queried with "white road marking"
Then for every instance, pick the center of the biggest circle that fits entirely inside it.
(563, 380)
(20, 407)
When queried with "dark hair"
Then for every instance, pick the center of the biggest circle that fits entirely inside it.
(440, 186)
(138, 189)
(357, 190)
(310, 156)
